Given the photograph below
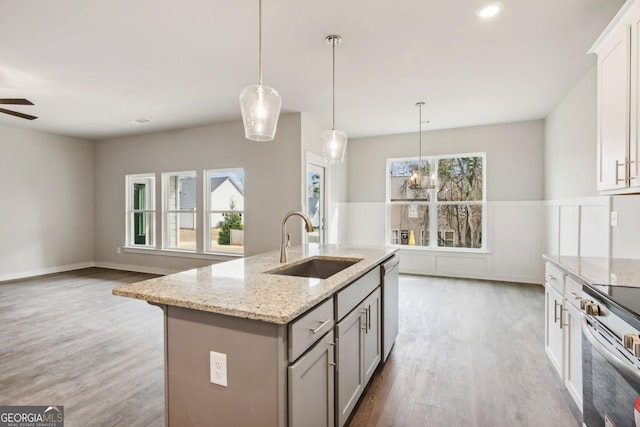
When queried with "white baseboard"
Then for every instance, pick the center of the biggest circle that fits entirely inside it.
(43, 271)
(136, 268)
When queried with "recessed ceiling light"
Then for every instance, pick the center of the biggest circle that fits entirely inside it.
(489, 9)
(139, 121)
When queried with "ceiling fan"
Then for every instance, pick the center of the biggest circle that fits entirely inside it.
(16, 101)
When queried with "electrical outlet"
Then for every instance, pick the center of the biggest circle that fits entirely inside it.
(614, 219)
(118, 249)
(218, 368)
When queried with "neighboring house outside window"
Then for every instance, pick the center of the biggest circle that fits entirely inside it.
(452, 213)
(224, 207)
(180, 210)
(141, 210)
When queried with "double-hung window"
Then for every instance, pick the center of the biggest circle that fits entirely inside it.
(449, 215)
(180, 212)
(141, 210)
(224, 207)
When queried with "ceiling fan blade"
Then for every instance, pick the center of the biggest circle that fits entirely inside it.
(15, 113)
(15, 101)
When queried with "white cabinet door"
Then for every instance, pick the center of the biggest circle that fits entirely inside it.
(613, 110)
(311, 390)
(553, 330)
(572, 328)
(371, 339)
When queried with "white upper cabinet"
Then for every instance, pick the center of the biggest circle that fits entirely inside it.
(618, 102)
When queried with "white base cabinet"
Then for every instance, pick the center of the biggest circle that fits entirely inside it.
(563, 328)
(554, 342)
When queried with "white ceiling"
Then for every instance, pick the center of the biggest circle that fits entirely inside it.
(91, 66)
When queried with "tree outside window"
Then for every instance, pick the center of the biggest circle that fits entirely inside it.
(453, 211)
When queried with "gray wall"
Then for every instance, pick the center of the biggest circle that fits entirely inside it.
(47, 215)
(570, 143)
(272, 182)
(515, 158)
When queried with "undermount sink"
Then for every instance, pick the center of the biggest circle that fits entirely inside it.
(316, 267)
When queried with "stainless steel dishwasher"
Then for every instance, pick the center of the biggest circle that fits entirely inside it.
(390, 274)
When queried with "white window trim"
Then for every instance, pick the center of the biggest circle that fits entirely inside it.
(130, 211)
(208, 211)
(433, 215)
(166, 211)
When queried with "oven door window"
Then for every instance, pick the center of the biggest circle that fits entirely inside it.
(609, 396)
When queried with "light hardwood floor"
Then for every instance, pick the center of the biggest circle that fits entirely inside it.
(469, 353)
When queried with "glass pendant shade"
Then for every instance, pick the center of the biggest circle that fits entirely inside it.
(334, 145)
(260, 106)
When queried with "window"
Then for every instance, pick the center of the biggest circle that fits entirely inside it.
(141, 210)
(452, 212)
(180, 210)
(224, 206)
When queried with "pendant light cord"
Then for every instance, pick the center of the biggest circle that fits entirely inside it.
(260, 40)
(420, 137)
(333, 43)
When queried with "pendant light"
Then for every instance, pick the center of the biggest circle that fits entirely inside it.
(418, 181)
(260, 104)
(334, 142)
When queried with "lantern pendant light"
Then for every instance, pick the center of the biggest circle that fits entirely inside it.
(334, 142)
(418, 181)
(260, 104)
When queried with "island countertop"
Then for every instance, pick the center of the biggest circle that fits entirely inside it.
(241, 288)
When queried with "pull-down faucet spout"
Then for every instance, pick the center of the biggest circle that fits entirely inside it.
(284, 242)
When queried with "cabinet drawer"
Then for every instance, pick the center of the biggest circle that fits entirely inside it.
(554, 277)
(573, 291)
(353, 294)
(309, 328)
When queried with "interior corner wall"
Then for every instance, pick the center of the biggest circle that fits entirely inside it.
(272, 183)
(571, 145)
(576, 217)
(47, 213)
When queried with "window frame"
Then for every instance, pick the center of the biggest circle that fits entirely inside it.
(208, 211)
(131, 211)
(166, 211)
(432, 205)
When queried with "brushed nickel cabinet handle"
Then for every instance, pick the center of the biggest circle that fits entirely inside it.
(555, 311)
(561, 320)
(322, 325)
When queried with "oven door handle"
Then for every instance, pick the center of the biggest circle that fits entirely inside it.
(626, 368)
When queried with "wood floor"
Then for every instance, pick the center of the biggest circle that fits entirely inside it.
(469, 353)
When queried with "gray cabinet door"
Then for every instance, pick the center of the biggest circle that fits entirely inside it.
(350, 375)
(311, 386)
(372, 341)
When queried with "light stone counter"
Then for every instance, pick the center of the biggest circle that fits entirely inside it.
(241, 288)
(600, 271)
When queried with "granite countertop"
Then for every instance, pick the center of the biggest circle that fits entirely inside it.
(241, 288)
(600, 271)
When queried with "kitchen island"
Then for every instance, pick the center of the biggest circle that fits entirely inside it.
(274, 344)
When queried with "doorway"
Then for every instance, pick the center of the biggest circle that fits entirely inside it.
(315, 202)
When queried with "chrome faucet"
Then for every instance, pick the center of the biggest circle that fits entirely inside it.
(285, 236)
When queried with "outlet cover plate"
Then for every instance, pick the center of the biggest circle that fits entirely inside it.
(218, 368)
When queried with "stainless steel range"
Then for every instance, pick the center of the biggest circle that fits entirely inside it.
(611, 356)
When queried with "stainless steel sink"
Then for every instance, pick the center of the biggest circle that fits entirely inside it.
(316, 267)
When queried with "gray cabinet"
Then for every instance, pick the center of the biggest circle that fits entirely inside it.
(311, 386)
(390, 299)
(372, 342)
(358, 351)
